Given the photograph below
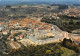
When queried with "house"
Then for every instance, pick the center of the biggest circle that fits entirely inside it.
(22, 35)
(14, 45)
(75, 36)
(11, 36)
(50, 34)
(0, 34)
(65, 34)
(17, 38)
(2, 23)
(33, 39)
(1, 28)
(5, 32)
(77, 40)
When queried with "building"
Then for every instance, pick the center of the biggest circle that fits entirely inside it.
(1, 28)
(2, 23)
(50, 34)
(21, 36)
(14, 45)
(33, 39)
(11, 36)
(5, 32)
(0, 35)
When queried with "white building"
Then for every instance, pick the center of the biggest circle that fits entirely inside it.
(5, 32)
(1, 28)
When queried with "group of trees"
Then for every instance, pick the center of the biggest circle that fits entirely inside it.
(61, 6)
(71, 45)
(69, 17)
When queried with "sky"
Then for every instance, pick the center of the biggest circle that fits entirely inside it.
(40, 0)
(63, 1)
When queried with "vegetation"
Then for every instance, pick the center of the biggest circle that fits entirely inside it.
(4, 37)
(63, 7)
(71, 45)
(66, 23)
(43, 50)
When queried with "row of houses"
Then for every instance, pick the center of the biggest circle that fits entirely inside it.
(29, 23)
(13, 42)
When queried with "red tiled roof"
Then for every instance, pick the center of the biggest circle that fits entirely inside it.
(14, 43)
(22, 35)
(11, 36)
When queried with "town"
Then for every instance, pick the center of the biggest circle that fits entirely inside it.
(32, 32)
(21, 28)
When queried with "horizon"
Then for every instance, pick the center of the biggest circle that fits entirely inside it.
(44, 0)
